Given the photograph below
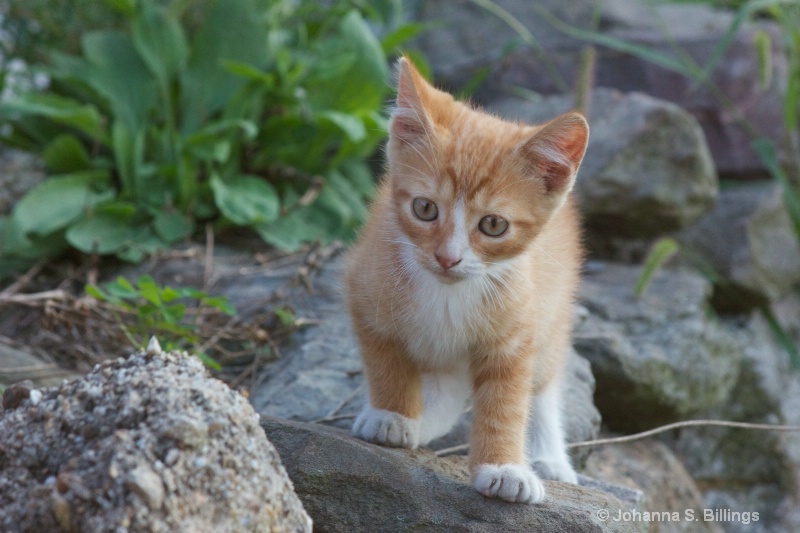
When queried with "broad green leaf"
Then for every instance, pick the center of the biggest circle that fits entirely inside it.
(360, 175)
(18, 247)
(128, 156)
(349, 195)
(232, 31)
(246, 199)
(56, 202)
(119, 73)
(172, 226)
(103, 233)
(66, 154)
(328, 217)
(351, 53)
(215, 129)
(83, 117)
(160, 41)
(146, 244)
(661, 252)
(289, 232)
(351, 125)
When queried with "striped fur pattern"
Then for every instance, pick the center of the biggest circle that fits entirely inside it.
(446, 312)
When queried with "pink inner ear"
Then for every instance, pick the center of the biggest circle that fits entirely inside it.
(556, 151)
(406, 125)
(409, 120)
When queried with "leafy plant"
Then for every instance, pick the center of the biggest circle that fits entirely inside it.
(255, 113)
(165, 312)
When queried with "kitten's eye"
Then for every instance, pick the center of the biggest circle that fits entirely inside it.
(493, 226)
(425, 209)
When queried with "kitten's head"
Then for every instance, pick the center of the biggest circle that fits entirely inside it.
(471, 191)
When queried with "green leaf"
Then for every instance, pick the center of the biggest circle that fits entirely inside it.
(763, 45)
(66, 154)
(661, 252)
(286, 316)
(231, 31)
(96, 292)
(59, 109)
(126, 7)
(401, 34)
(782, 336)
(119, 73)
(209, 361)
(221, 303)
(149, 290)
(351, 125)
(128, 156)
(351, 53)
(172, 226)
(104, 233)
(58, 201)
(160, 41)
(246, 199)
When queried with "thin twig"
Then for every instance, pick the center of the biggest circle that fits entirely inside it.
(334, 413)
(649, 433)
(33, 298)
(685, 423)
(23, 280)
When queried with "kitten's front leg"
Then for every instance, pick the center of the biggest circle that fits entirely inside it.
(392, 414)
(497, 444)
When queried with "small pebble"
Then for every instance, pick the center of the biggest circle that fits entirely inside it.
(17, 393)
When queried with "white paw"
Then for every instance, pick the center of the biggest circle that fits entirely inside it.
(509, 482)
(556, 469)
(387, 428)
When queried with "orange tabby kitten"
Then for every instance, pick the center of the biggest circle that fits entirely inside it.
(462, 284)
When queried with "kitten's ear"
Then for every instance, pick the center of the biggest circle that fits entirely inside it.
(410, 121)
(554, 153)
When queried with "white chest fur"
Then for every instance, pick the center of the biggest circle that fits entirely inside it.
(443, 320)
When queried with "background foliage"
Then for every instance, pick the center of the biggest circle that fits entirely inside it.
(172, 113)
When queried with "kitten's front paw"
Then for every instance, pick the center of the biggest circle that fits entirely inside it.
(555, 469)
(387, 428)
(509, 482)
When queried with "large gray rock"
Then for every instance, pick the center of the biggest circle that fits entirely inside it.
(349, 485)
(670, 494)
(469, 40)
(151, 443)
(659, 357)
(749, 243)
(647, 169)
(319, 375)
(745, 469)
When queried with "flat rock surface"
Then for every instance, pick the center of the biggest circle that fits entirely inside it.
(348, 485)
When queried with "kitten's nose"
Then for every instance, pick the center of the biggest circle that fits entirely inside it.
(446, 262)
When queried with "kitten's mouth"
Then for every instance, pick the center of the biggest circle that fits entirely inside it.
(448, 277)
